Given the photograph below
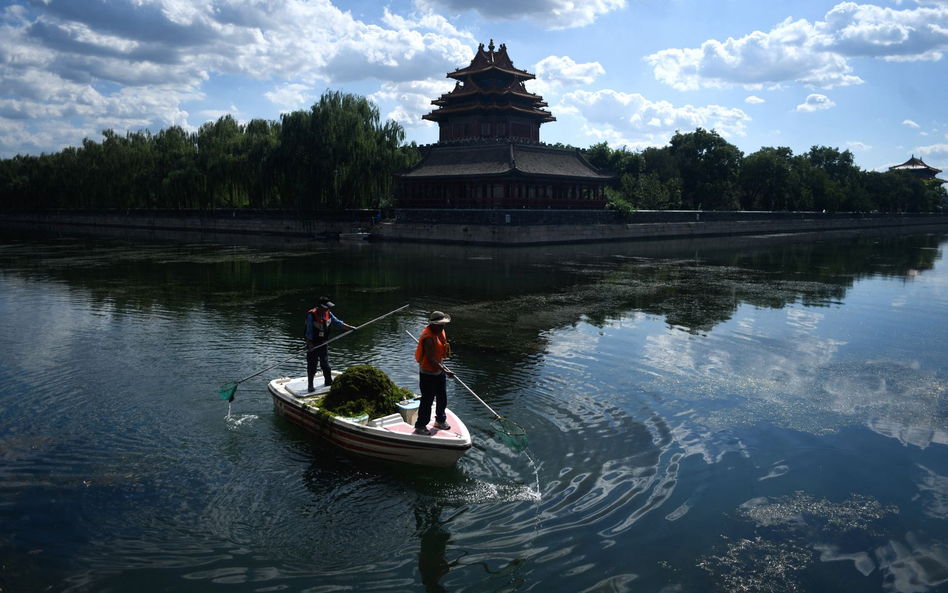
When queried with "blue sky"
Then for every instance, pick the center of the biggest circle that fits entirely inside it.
(871, 78)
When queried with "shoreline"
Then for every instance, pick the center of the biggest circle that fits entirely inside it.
(468, 227)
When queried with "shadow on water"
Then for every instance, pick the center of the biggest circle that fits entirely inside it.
(432, 555)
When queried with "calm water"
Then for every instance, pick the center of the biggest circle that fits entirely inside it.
(763, 415)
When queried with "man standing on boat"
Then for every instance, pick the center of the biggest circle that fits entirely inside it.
(318, 323)
(432, 345)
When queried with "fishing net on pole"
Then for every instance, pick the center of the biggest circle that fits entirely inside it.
(511, 434)
(227, 391)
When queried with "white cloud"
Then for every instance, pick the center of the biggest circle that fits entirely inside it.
(815, 54)
(815, 102)
(132, 63)
(428, 21)
(411, 99)
(290, 97)
(550, 14)
(866, 30)
(617, 139)
(933, 151)
(910, 123)
(754, 100)
(555, 73)
(633, 119)
(858, 146)
(215, 114)
(47, 135)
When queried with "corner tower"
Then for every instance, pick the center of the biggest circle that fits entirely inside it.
(490, 100)
(489, 154)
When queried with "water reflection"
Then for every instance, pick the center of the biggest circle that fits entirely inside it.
(694, 284)
(432, 560)
(704, 414)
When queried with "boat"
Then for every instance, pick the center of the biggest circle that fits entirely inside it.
(359, 236)
(390, 438)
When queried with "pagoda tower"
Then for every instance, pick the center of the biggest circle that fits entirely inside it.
(489, 100)
(489, 154)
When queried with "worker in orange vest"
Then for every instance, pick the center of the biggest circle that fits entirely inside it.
(431, 349)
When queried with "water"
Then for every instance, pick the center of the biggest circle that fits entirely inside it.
(735, 414)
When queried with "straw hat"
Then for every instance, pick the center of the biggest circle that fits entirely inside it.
(439, 318)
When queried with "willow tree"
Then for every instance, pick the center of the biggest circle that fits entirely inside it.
(337, 155)
(221, 162)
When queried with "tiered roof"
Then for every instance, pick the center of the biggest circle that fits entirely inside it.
(485, 61)
(914, 164)
(502, 158)
(492, 86)
(920, 169)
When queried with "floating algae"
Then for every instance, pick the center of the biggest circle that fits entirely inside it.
(791, 534)
(858, 512)
(364, 389)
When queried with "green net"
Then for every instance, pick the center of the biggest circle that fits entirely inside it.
(227, 391)
(511, 434)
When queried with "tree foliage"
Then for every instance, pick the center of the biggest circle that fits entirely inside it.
(701, 170)
(340, 155)
(709, 167)
(336, 155)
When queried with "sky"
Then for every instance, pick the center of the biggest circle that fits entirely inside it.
(871, 78)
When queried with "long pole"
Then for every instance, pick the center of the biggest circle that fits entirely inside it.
(329, 341)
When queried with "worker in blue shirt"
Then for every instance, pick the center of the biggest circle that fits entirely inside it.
(318, 323)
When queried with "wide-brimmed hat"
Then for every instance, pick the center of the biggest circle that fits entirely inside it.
(325, 302)
(438, 317)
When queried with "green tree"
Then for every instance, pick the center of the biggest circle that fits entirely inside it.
(765, 179)
(181, 184)
(710, 169)
(221, 162)
(838, 188)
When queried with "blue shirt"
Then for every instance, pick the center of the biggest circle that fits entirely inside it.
(333, 322)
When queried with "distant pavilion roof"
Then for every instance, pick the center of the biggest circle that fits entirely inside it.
(914, 164)
(497, 158)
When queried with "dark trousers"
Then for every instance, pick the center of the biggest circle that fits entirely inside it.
(434, 388)
(319, 355)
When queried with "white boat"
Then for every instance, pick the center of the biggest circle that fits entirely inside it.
(391, 437)
(359, 236)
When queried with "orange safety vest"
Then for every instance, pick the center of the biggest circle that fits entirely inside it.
(438, 341)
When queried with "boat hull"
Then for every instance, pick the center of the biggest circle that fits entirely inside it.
(389, 438)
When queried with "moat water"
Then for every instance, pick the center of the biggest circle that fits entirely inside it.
(761, 414)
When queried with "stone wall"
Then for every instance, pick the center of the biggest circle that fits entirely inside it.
(236, 221)
(489, 227)
(523, 227)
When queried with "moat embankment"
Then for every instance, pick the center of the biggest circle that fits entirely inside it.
(238, 221)
(484, 227)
